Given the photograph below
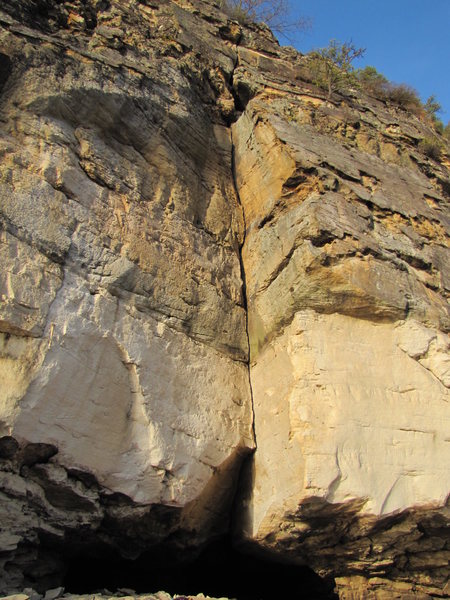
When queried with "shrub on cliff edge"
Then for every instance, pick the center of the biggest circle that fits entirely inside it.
(277, 14)
(332, 67)
(431, 148)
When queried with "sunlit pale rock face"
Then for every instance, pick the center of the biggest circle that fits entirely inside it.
(187, 227)
(352, 422)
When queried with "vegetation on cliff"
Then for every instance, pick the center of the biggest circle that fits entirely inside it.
(274, 13)
(332, 66)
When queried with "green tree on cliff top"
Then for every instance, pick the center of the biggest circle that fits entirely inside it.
(332, 66)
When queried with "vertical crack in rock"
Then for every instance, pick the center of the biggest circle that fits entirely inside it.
(244, 282)
(239, 109)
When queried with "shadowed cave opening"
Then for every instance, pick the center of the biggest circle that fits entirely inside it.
(219, 571)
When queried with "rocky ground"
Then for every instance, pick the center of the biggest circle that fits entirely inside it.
(103, 594)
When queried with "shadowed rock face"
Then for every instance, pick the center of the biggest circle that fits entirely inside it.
(188, 227)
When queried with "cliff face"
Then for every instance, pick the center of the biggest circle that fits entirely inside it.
(346, 264)
(200, 253)
(124, 342)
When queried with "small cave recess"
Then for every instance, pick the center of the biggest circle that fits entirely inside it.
(220, 570)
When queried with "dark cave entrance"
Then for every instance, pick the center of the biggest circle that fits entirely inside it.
(219, 571)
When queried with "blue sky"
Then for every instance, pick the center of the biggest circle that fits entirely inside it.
(406, 40)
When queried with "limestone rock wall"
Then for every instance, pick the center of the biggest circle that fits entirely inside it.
(346, 260)
(199, 249)
(122, 317)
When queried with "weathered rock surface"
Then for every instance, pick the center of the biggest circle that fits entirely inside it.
(123, 326)
(346, 262)
(180, 205)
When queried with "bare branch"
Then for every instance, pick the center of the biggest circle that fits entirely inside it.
(274, 13)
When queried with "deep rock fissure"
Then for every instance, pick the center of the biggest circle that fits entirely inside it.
(244, 282)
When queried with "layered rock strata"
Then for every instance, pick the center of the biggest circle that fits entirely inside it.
(188, 226)
(123, 326)
(347, 273)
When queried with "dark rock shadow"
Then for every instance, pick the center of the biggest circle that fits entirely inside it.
(219, 571)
